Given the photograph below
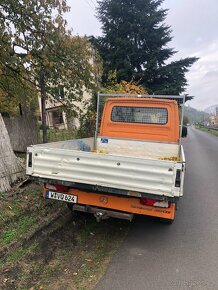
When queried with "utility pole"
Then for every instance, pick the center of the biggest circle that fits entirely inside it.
(43, 108)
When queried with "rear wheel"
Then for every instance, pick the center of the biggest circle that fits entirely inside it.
(73, 212)
(77, 214)
(166, 221)
(70, 206)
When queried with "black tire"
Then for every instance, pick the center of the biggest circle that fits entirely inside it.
(73, 213)
(184, 131)
(76, 214)
(166, 221)
(70, 206)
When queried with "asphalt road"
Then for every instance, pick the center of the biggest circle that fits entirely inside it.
(183, 255)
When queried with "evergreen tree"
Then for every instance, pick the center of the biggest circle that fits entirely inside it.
(135, 45)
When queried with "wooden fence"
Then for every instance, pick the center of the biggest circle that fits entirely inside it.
(23, 131)
(10, 167)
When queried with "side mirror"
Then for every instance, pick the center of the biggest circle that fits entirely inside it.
(184, 131)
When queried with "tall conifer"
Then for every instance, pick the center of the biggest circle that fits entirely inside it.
(135, 44)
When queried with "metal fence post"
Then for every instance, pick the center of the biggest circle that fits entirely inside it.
(97, 120)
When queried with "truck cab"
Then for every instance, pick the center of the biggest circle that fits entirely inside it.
(141, 118)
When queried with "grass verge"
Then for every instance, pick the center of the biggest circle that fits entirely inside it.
(44, 247)
(210, 131)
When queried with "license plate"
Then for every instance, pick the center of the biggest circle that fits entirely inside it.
(61, 196)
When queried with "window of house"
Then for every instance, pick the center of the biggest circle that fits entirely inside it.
(59, 93)
(58, 117)
(142, 115)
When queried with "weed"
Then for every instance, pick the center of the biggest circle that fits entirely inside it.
(20, 252)
(34, 246)
(14, 256)
(2, 194)
(37, 268)
(8, 236)
(1, 264)
(86, 230)
(23, 226)
(32, 192)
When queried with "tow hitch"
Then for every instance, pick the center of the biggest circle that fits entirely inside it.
(103, 214)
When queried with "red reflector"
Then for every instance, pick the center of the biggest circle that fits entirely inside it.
(147, 201)
(154, 202)
(61, 188)
(57, 187)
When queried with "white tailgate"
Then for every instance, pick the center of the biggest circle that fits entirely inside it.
(121, 172)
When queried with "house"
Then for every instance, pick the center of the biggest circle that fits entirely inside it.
(213, 120)
(56, 117)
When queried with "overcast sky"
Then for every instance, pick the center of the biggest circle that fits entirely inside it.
(195, 30)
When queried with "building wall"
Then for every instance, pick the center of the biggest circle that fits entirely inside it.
(213, 120)
(55, 107)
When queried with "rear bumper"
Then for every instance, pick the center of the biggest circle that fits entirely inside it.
(104, 190)
(122, 204)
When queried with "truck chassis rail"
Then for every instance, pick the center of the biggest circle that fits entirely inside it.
(105, 190)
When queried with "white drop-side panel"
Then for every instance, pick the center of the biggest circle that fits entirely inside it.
(138, 148)
(121, 172)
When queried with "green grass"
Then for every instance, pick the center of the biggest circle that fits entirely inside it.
(87, 230)
(14, 256)
(105, 238)
(8, 236)
(210, 131)
(86, 249)
(20, 252)
(2, 194)
(37, 268)
(34, 193)
(23, 226)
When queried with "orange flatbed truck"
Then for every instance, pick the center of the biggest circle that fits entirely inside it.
(134, 164)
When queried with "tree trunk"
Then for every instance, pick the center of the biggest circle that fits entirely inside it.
(43, 107)
(10, 167)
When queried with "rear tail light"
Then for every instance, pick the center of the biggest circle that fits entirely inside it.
(147, 201)
(57, 187)
(154, 202)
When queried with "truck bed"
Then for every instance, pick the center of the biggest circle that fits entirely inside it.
(133, 166)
